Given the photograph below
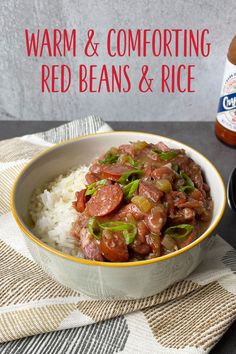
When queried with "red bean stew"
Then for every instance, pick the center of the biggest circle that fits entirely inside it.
(141, 201)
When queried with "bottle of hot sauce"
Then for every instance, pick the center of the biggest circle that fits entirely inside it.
(225, 126)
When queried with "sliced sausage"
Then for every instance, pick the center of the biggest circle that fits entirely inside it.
(105, 201)
(80, 200)
(90, 247)
(113, 246)
(114, 172)
(148, 190)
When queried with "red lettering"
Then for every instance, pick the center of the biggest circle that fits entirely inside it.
(45, 76)
(177, 78)
(54, 77)
(59, 45)
(83, 85)
(70, 44)
(104, 78)
(182, 66)
(134, 43)
(109, 49)
(190, 78)
(115, 79)
(205, 47)
(166, 43)
(121, 42)
(193, 43)
(126, 68)
(46, 43)
(154, 41)
(92, 78)
(145, 41)
(31, 43)
(56, 41)
(165, 73)
(64, 69)
(185, 43)
(176, 32)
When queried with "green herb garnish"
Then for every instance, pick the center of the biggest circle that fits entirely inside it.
(130, 189)
(165, 155)
(129, 229)
(131, 161)
(175, 167)
(93, 227)
(188, 187)
(130, 176)
(109, 159)
(179, 232)
(92, 188)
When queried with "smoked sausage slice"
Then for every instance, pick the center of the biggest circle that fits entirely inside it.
(106, 200)
(114, 172)
(113, 246)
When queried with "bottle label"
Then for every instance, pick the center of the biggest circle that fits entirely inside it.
(227, 106)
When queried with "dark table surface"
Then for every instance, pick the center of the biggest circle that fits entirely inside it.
(199, 135)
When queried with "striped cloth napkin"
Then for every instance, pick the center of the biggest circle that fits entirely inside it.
(38, 315)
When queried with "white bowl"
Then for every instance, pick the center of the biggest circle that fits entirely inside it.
(103, 279)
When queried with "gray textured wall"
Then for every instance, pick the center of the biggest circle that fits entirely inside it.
(20, 96)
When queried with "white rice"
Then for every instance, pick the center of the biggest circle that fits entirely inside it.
(52, 212)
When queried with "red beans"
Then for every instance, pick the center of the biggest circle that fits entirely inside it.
(113, 247)
(105, 201)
